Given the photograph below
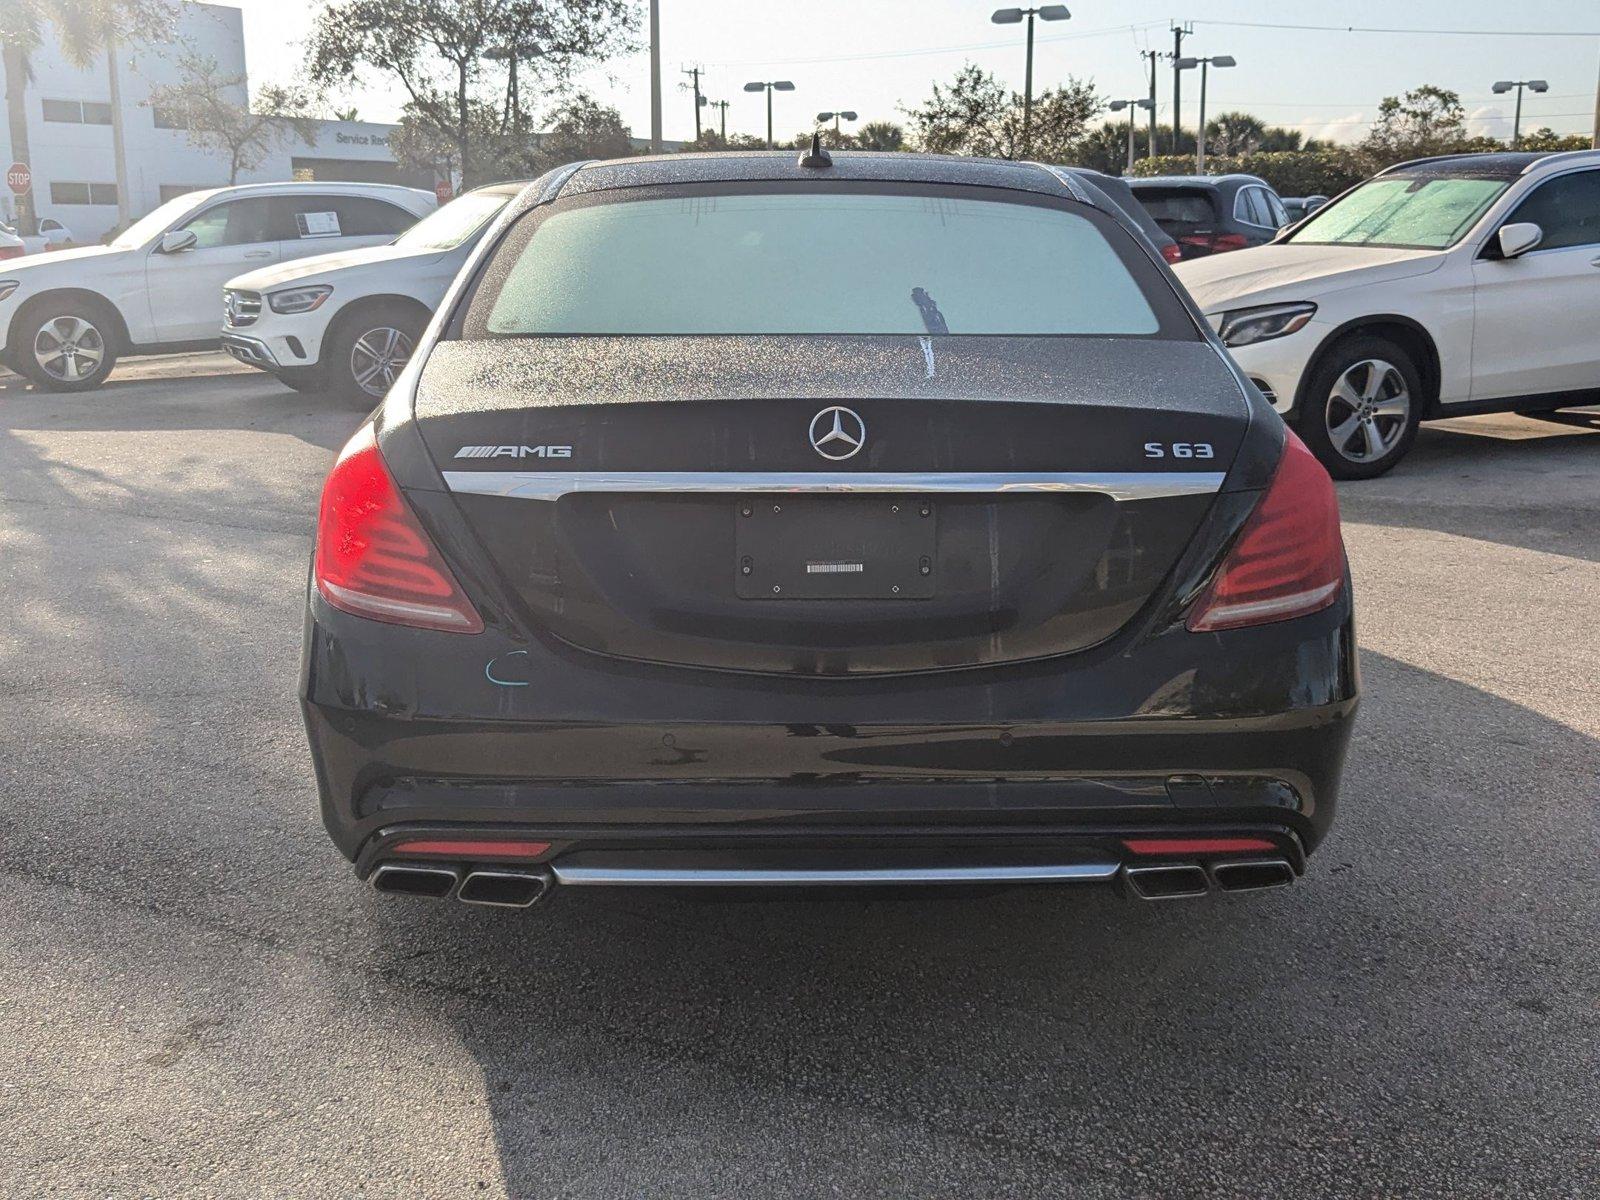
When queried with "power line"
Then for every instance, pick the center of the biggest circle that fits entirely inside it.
(929, 50)
(1500, 33)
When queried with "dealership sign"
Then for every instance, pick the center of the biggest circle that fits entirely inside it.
(19, 178)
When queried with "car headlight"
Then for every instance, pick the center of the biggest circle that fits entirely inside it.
(1245, 326)
(299, 300)
(7, 286)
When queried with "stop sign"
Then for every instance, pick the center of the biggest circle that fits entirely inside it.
(19, 178)
(441, 191)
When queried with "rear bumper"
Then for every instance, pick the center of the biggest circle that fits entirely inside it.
(412, 730)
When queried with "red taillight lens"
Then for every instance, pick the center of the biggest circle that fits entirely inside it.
(12, 251)
(1289, 558)
(1227, 241)
(373, 557)
(1172, 252)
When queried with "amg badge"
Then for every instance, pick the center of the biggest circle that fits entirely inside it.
(514, 452)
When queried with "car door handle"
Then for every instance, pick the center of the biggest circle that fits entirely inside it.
(1594, 262)
(258, 253)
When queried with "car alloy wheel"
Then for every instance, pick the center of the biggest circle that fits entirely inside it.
(1368, 410)
(69, 348)
(377, 358)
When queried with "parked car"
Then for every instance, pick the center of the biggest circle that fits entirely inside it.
(11, 243)
(749, 521)
(1301, 207)
(1210, 214)
(1121, 194)
(1440, 287)
(348, 322)
(52, 235)
(66, 317)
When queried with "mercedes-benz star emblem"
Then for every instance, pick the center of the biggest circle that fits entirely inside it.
(837, 433)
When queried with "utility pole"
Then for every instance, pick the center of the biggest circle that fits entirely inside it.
(1154, 56)
(699, 101)
(722, 108)
(655, 77)
(1594, 140)
(1179, 32)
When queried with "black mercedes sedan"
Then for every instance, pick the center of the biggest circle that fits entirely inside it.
(863, 519)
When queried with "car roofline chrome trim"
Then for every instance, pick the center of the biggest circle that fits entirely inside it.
(581, 876)
(552, 485)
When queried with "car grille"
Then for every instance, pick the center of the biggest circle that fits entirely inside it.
(241, 308)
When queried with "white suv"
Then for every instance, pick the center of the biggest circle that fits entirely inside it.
(346, 323)
(1445, 286)
(66, 316)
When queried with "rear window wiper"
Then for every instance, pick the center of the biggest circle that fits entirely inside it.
(932, 318)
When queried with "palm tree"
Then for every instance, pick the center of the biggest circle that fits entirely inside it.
(880, 135)
(1234, 133)
(84, 29)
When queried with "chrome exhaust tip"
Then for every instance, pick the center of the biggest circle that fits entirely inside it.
(504, 889)
(1167, 881)
(1253, 875)
(403, 879)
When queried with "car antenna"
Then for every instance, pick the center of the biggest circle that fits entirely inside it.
(816, 157)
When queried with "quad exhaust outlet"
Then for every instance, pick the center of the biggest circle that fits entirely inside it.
(1184, 880)
(497, 887)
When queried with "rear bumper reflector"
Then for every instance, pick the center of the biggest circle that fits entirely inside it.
(723, 877)
(1217, 845)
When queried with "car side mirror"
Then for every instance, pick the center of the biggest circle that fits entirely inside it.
(176, 241)
(1518, 238)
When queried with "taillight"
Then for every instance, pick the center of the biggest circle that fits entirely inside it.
(373, 557)
(475, 848)
(1221, 242)
(1289, 558)
(12, 251)
(1205, 845)
(1172, 252)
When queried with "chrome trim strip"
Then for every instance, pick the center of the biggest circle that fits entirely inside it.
(552, 485)
(714, 877)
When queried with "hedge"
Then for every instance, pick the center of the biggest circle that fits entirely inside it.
(1290, 172)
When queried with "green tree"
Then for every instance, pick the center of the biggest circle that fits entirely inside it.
(85, 30)
(201, 102)
(1426, 120)
(881, 135)
(1235, 133)
(583, 128)
(1545, 138)
(975, 114)
(456, 59)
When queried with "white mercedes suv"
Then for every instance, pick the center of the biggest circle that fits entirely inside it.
(346, 323)
(1441, 287)
(66, 316)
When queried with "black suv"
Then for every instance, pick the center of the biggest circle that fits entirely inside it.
(1208, 214)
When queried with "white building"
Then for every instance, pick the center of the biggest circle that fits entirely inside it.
(68, 115)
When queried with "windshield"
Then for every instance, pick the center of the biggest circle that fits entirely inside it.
(156, 221)
(790, 262)
(1416, 212)
(448, 227)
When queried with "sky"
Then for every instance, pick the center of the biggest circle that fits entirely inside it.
(874, 57)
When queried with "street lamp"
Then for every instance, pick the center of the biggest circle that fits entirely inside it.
(843, 114)
(1131, 106)
(1504, 86)
(1013, 16)
(1188, 64)
(769, 86)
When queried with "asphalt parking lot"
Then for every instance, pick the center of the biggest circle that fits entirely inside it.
(198, 998)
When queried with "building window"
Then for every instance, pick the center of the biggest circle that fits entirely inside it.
(83, 193)
(171, 191)
(77, 112)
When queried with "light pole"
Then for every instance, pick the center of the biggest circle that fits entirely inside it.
(769, 86)
(1014, 16)
(843, 114)
(1504, 86)
(1131, 106)
(1187, 64)
(655, 77)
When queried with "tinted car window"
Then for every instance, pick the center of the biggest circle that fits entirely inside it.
(1280, 215)
(232, 223)
(362, 216)
(793, 262)
(313, 216)
(1566, 209)
(1188, 208)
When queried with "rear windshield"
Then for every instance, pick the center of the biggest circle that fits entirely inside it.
(1416, 212)
(1183, 207)
(791, 261)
